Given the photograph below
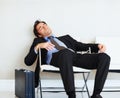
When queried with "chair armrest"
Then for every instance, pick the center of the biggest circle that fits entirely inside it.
(83, 52)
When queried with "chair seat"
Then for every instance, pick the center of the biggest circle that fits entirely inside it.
(53, 68)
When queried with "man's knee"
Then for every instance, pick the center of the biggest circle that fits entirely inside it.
(105, 57)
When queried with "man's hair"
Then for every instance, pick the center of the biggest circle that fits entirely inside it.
(35, 25)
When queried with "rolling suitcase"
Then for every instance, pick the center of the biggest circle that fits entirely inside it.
(24, 83)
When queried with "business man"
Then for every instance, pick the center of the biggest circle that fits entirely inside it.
(60, 52)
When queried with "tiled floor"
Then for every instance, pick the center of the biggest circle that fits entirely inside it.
(7, 91)
(81, 95)
(62, 95)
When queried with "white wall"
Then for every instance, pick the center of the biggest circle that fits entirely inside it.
(83, 19)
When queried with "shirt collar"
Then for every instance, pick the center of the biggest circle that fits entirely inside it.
(46, 38)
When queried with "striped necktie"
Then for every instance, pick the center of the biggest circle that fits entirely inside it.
(57, 46)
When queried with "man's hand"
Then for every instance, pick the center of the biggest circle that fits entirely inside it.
(102, 48)
(46, 45)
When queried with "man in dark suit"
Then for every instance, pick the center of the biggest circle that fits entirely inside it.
(67, 57)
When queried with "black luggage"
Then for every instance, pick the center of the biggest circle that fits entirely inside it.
(24, 83)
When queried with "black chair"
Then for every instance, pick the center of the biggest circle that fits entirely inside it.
(49, 68)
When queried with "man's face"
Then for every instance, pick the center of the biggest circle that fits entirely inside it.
(43, 30)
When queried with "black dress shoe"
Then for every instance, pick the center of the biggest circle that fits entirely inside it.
(97, 96)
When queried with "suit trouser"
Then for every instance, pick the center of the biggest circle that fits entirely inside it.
(66, 59)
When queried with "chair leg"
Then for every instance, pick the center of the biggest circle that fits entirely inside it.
(40, 88)
(85, 85)
(86, 80)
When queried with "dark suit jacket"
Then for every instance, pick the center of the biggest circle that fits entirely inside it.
(67, 40)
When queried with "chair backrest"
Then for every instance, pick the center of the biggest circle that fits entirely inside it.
(39, 57)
